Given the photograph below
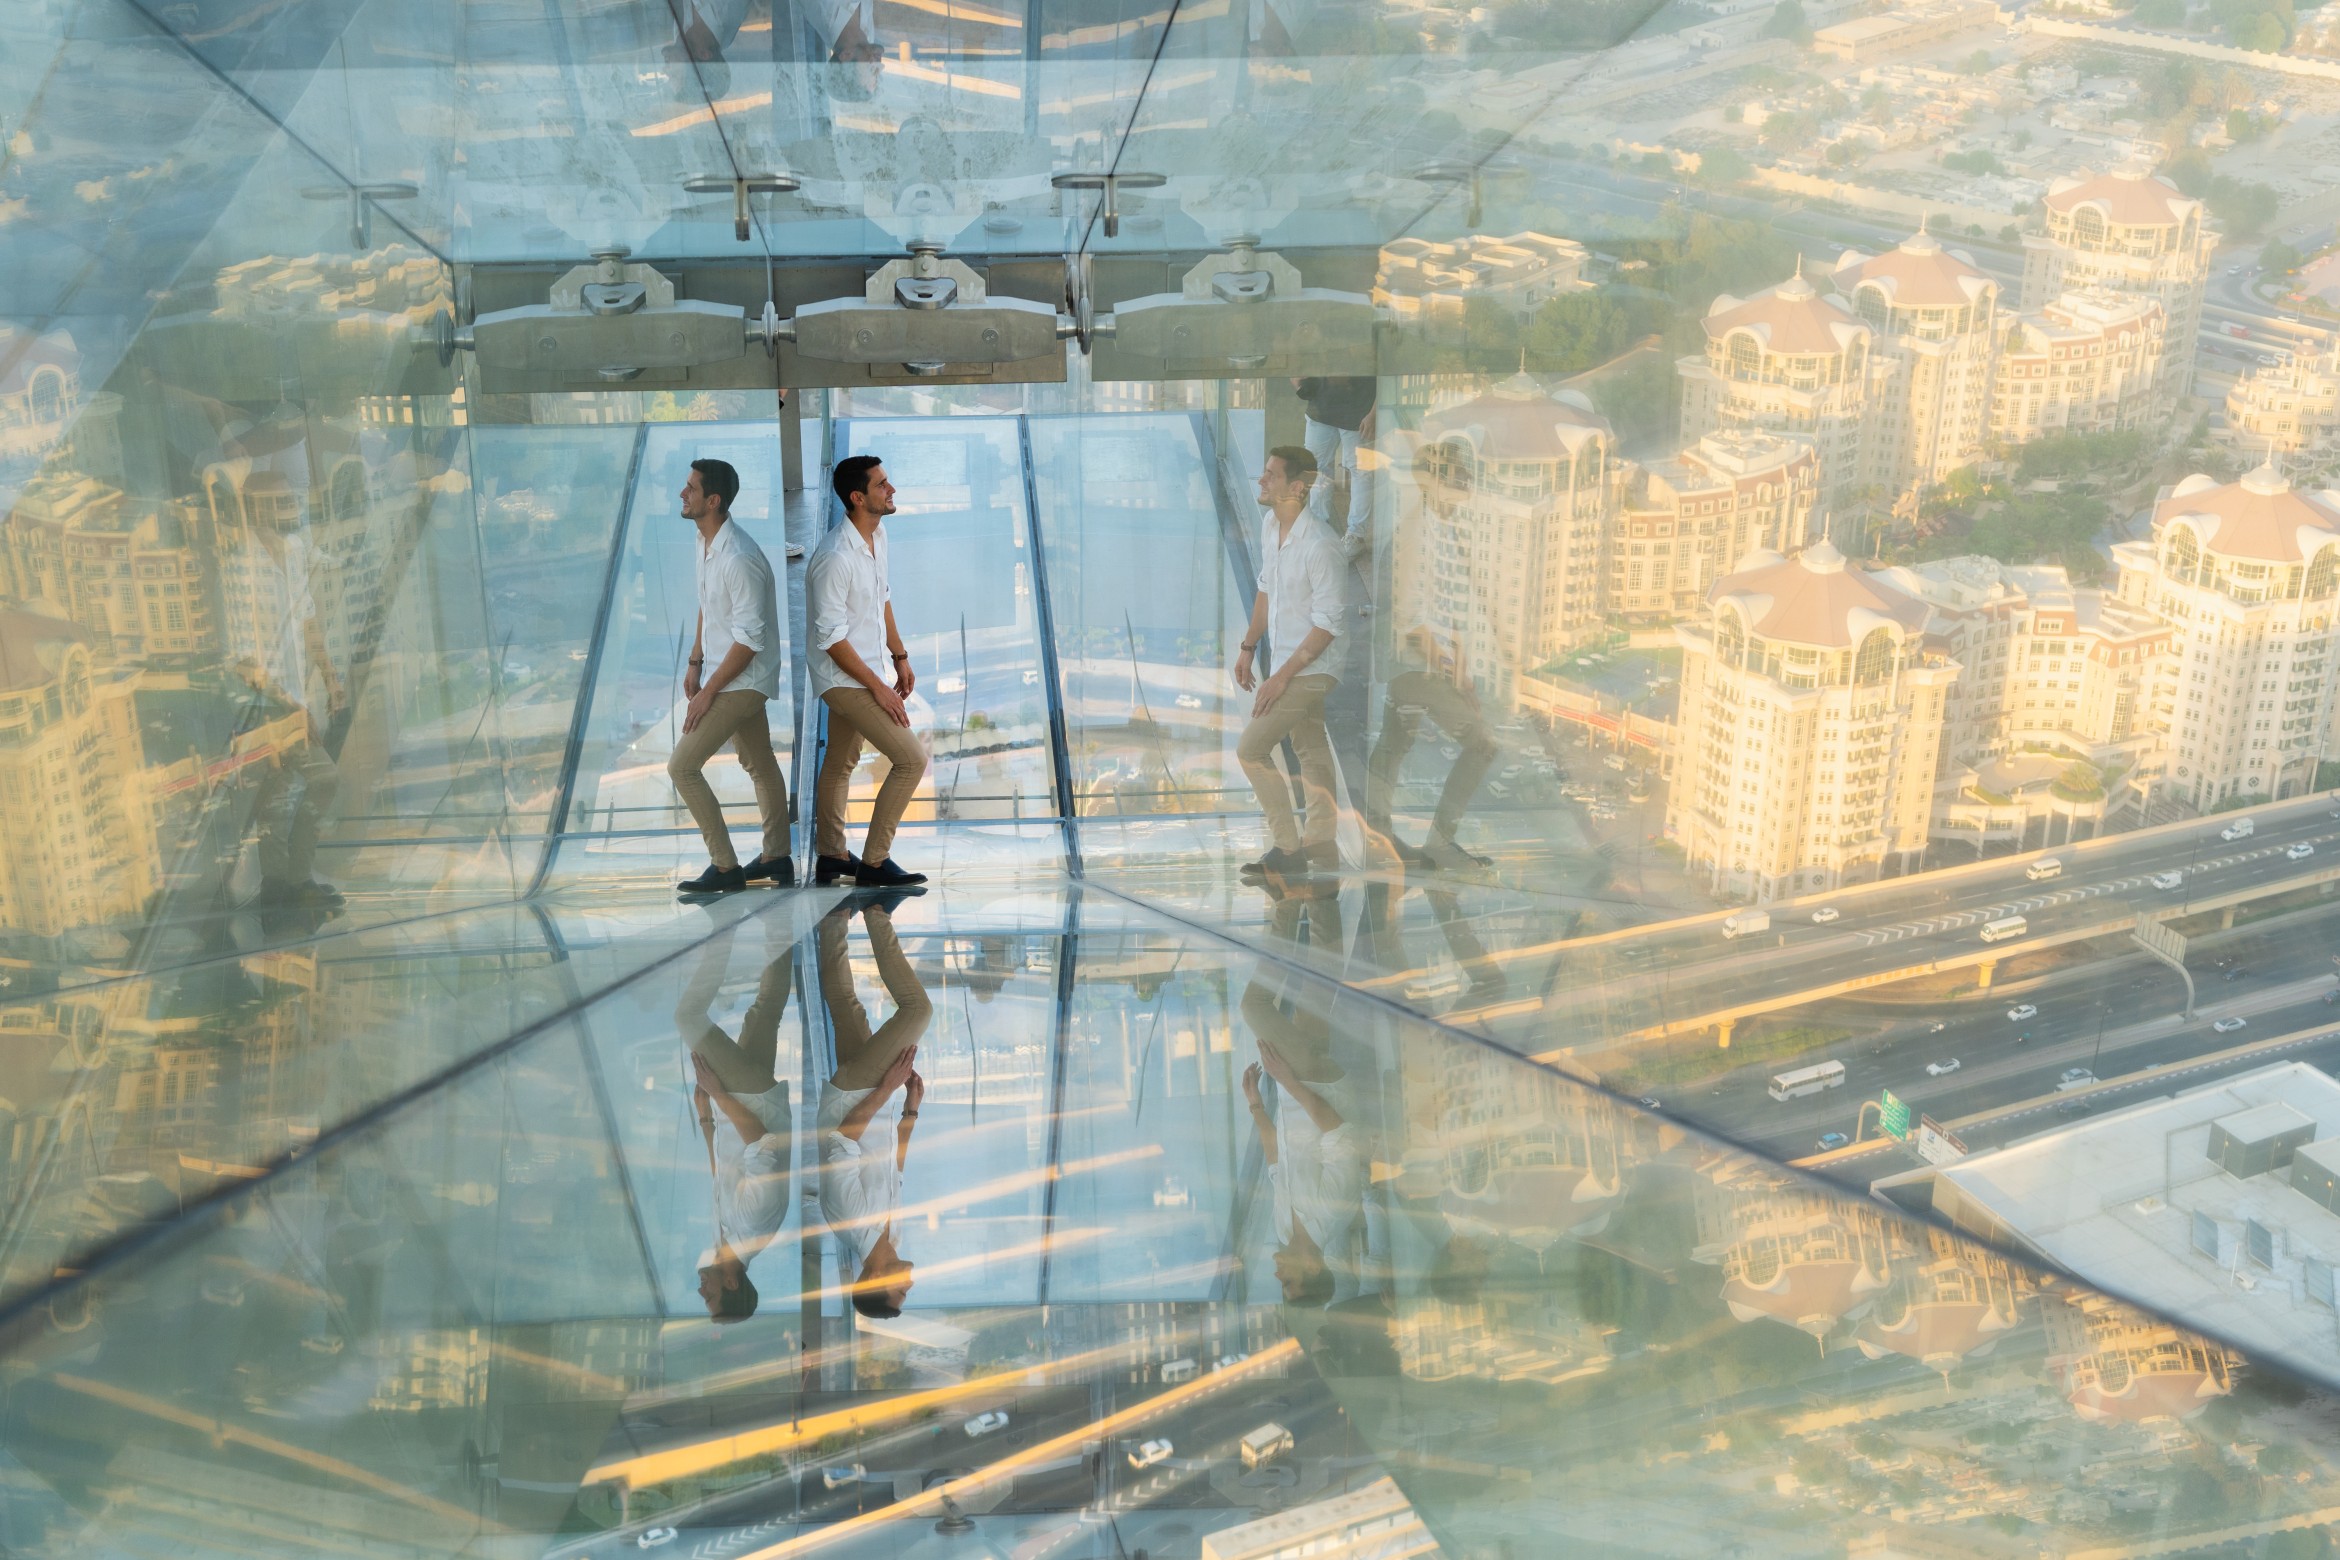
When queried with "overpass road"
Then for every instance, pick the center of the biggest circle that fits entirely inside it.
(1601, 992)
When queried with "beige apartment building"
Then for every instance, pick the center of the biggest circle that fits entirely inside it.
(1426, 279)
(1789, 360)
(1810, 729)
(2087, 362)
(130, 576)
(1689, 519)
(1520, 490)
(2247, 575)
(2051, 674)
(2132, 233)
(1936, 318)
(2290, 409)
(80, 845)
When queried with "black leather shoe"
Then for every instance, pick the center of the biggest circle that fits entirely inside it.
(885, 901)
(715, 880)
(828, 869)
(1278, 862)
(886, 875)
(780, 872)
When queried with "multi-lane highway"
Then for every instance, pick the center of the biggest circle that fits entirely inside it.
(1601, 992)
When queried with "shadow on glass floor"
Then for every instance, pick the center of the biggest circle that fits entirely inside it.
(1039, 1225)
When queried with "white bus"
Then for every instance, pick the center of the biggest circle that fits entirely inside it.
(1808, 1080)
(2004, 927)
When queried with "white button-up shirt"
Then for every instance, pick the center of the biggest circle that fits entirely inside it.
(739, 604)
(845, 596)
(1301, 571)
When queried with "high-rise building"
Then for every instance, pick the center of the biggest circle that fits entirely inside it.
(2290, 409)
(127, 573)
(1689, 519)
(79, 845)
(2126, 232)
(40, 389)
(1936, 318)
(2051, 675)
(1810, 729)
(1791, 360)
(2086, 362)
(1519, 492)
(2247, 574)
(1422, 278)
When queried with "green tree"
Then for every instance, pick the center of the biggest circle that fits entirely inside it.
(2277, 256)
(1723, 165)
(2168, 14)
(2190, 171)
(1787, 21)
(1976, 63)
(2281, 1459)
(1639, 401)
(1577, 331)
(2242, 206)
(2263, 33)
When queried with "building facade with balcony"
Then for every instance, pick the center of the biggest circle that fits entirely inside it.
(1789, 360)
(1936, 318)
(1687, 520)
(1811, 725)
(2087, 362)
(2133, 233)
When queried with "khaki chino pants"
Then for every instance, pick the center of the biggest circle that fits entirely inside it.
(736, 716)
(1299, 715)
(856, 721)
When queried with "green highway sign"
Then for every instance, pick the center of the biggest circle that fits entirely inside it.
(1893, 1115)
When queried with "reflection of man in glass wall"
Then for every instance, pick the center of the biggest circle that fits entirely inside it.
(750, 1162)
(849, 608)
(1432, 681)
(861, 1172)
(282, 647)
(1339, 420)
(1316, 1155)
(739, 619)
(1298, 611)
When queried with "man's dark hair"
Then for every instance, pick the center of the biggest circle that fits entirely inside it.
(852, 476)
(736, 1305)
(1299, 464)
(876, 1304)
(1314, 1291)
(717, 480)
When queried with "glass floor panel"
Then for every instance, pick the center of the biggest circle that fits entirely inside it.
(1021, 1220)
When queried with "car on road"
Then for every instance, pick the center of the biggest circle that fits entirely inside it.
(2226, 1026)
(2023, 1038)
(984, 1424)
(2331, 997)
(2237, 973)
(1942, 1068)
(2240, 829)
(656, 1538)
(2075, 1107)
(1938, 1026)
(1829, 1140)
(1649, 1102)
(1824, 915)
(1147, 1453)
(851, 1473)
(2021, 1011)
(2301, 851)
(2168, 879)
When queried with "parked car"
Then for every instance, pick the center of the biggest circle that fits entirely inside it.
(2226, 1026)
(851, 1473)
(1824, 915)
(2021, 1011)
(1649, 1102)
(1942, 1068)
(1829, 1140)
(1939, 1026)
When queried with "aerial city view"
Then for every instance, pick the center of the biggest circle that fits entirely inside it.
(1223, 781)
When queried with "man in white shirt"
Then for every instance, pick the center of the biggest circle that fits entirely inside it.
(739, 620)
(752, 1162)
(849, 608)
(861, 1168)
(281, 649)
(1298, 612)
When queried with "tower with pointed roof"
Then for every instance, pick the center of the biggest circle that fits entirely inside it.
(2247, 573)
(2126, 232)
(1789, 360)
(1935, 315)
(1810, 728)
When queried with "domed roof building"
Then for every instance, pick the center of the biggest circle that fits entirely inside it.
(1790, 359)
(1810, 728)
(2130, 232)
(1936, 317)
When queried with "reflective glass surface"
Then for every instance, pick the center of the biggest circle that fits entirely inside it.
(1625, 779)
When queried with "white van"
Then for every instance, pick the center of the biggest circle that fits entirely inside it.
(2168, 879)
(2240, 829)
(2044, 868)
(2004, 927)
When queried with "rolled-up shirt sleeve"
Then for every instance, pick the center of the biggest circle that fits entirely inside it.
(1324, 589)
(828, 600)
(751, 625)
